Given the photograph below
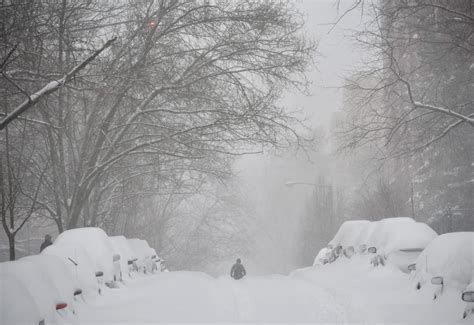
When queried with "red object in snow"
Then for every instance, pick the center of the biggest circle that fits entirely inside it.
(61, 305)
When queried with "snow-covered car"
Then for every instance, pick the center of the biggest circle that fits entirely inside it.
(127, 256)
(17, 304)
(79, 263)
(147, 259)
(397, 241)
(468, 297)
(447, 261)
(323, 256)
(36, 287)
(97, 245)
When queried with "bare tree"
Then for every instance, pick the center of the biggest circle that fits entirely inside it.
(417, 88)
(189, 82)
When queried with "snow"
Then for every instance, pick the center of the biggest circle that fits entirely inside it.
(40, 290)
(450, 256)
(392, 234)
(349, 290)
(15, 299)
(79, 263)
(97, 245)
(122, 247)
(400, 240)
(196, 297)
(323, 256)
(349, 234)
(144, 253)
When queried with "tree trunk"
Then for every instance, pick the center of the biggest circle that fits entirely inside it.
(11, 244)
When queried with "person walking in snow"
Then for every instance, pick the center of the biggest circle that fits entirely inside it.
(237, 271)
(46, 243)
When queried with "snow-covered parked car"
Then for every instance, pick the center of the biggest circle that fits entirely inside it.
(447, 261)
(323, 256)
(38, 279)
(397, 241)
(147, 259)
(128, 257)
(97, 245)
(79, 263)
(468, 297)
(17, 303)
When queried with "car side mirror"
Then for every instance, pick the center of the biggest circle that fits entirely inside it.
(99, 273)
(468, 296)
(372, 250)
(437, 280)
(412, 267)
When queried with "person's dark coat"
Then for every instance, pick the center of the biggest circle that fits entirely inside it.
(46, 243)
(237, 271)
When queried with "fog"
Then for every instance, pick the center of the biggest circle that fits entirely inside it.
(239, 129)
(279, 208)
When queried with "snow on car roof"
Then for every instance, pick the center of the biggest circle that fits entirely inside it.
(122, 247)
(38, 288)
(349, 233)
(97, 244)
(387, 235)
(79, 263)
(393, 234)
(450, 256)
(17, 305)
(141, 248)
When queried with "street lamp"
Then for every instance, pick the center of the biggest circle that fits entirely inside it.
(291, 184)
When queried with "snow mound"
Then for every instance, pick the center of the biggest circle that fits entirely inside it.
(349, 233)
(17, 305)
(122, 247)
(393, 234)
(79, 263)
(450, 256)
(33, 285)
(387, 235)
(97, 245)
(322, 257)
(144, 253)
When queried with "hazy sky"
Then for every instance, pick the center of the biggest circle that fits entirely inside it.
(264, 176)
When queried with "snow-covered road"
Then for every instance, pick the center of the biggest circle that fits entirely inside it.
(346, 292)
(197, 297)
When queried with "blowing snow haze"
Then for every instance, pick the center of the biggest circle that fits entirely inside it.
(157, 142)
